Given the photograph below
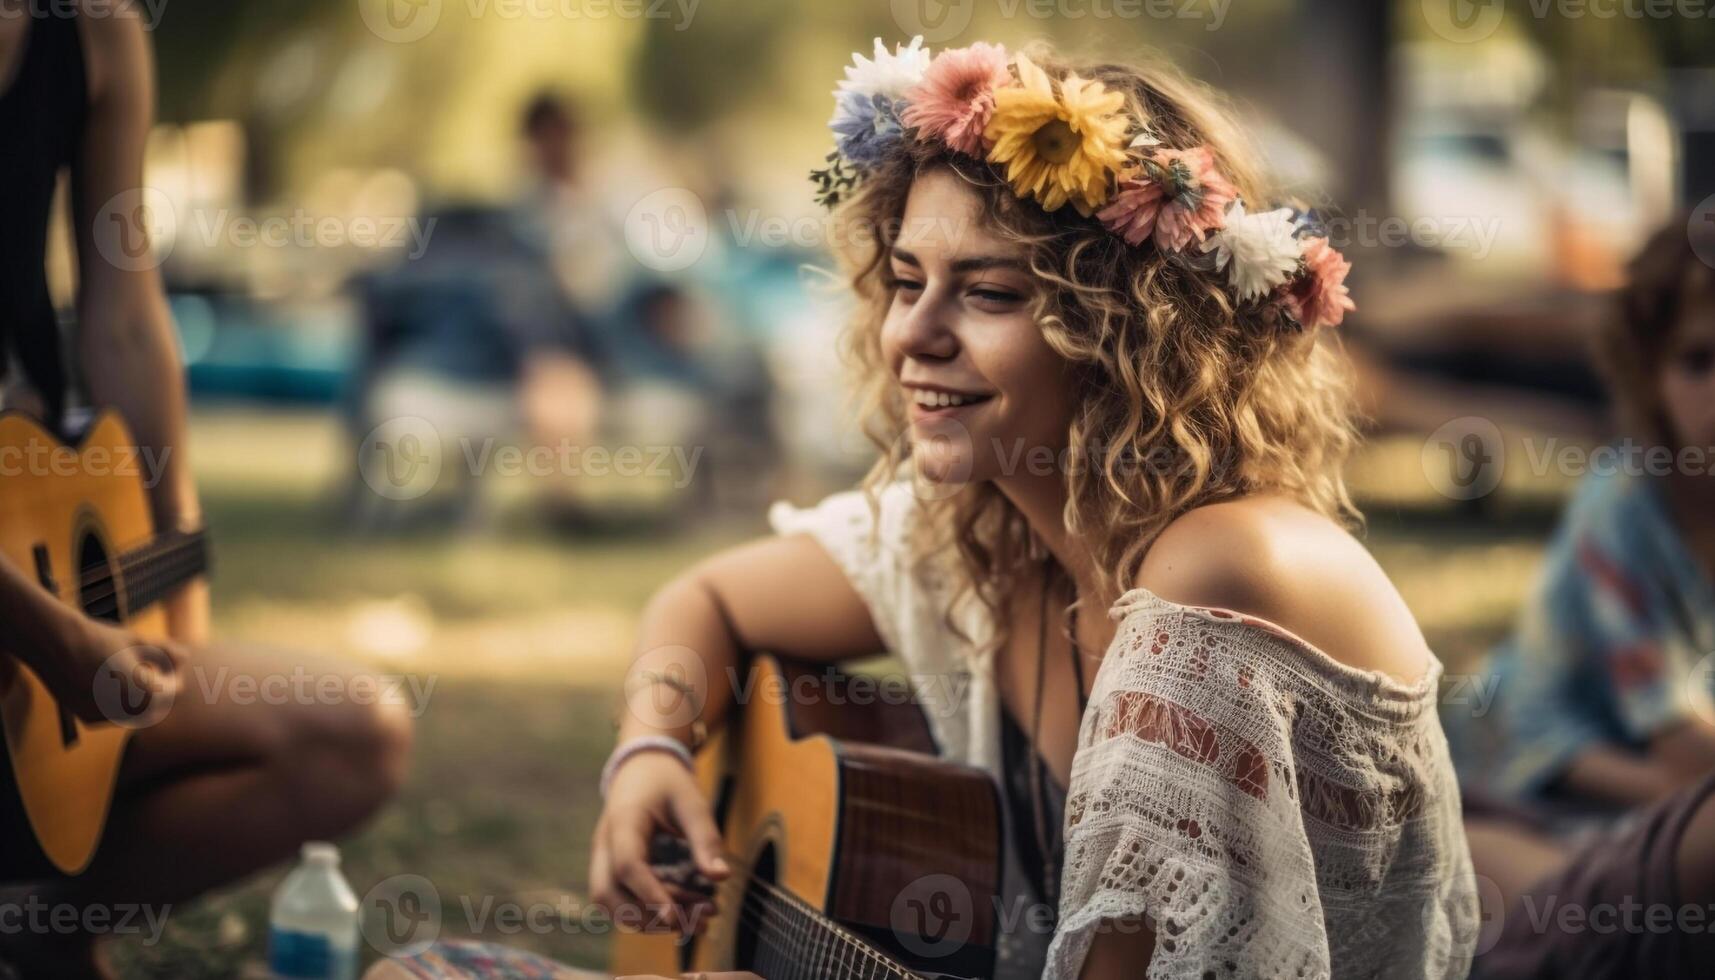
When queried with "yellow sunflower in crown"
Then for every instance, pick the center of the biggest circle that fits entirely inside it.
(1058, 147)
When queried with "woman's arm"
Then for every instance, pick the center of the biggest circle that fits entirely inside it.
(1675, 758)
(1121, 950)
(125, 340)
(785, 595)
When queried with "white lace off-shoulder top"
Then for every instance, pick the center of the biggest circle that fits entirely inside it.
(1274, 812)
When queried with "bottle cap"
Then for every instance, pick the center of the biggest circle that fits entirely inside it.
(320, 852)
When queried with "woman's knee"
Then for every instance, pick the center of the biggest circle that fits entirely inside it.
(361, 744)
(1696, 857)
(376, 742)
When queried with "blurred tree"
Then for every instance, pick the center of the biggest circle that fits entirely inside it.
(685, 79)
(196, 39)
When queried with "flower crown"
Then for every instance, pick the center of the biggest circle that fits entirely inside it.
(1073, 141)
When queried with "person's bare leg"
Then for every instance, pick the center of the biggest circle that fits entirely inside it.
(1696, 867)
(1512, 856)
(220, 788)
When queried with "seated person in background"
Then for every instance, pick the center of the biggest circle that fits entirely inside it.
(476, 338)
(1600, 686)
(222, 784)
(1590, 781)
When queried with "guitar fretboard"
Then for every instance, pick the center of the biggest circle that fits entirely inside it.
(147, 574)
(795, 942)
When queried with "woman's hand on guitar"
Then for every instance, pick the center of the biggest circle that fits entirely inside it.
(653, 792)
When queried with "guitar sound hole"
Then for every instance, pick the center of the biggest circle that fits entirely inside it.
(762, 943)
(98, 590)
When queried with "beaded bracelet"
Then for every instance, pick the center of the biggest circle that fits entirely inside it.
(643, 743)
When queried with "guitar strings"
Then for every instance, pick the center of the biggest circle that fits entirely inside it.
(757, 911)
(145, 568)
(808, 942)
(140, 560)
(804, 926)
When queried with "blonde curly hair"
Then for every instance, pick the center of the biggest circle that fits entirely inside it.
(1184, 397)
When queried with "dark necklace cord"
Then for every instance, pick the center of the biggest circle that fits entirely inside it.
(1050, 859)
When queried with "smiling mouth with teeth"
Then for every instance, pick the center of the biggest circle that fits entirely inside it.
(943, 399)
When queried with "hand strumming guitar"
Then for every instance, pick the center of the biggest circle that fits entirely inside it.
(654, 792)
(80, 659)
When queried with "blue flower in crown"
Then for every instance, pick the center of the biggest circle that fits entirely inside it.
(866, 127)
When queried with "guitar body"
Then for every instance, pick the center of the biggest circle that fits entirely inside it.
(844, 808)
(67, 513)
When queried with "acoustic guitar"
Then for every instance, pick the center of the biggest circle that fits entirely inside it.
(77, 517)
(855, 852)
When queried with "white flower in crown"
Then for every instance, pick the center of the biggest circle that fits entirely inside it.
(891, 75)
(1261, 248)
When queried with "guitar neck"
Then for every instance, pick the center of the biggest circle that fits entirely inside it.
(790, 936)
(154, 571)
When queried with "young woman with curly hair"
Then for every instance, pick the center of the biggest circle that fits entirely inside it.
(1112, 423)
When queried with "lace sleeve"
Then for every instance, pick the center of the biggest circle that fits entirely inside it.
(1182, 808)
(867, 546)
(907, 595)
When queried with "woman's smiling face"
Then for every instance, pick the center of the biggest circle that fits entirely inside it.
(983, 390)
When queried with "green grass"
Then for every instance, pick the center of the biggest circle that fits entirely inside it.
(526, 633)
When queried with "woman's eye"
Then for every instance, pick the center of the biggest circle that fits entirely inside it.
(995, 295)
(900, 284)
(1697, 360)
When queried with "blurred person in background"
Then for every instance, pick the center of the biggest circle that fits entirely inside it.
(679, 375)
(1598, 752)
(557, 212)
(477, 339)
(216, 789)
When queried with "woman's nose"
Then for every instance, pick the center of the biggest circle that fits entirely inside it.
(925, 332)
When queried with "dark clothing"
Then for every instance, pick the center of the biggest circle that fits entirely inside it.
(1614, 910)
(41, 127)
(1021, 811)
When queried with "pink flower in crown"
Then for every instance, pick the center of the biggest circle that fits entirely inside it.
(1178, 196)
(955, 99)
(1318, 297)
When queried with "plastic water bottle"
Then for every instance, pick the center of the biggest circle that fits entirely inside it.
(313, 928)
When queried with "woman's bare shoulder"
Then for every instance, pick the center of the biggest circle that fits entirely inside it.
(1273, 558)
